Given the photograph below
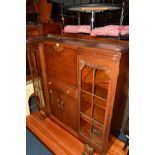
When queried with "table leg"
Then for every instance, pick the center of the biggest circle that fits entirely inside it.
(92, 19)
(78, 18)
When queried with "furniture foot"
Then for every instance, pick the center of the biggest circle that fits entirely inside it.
(42, 114)
(88, 150)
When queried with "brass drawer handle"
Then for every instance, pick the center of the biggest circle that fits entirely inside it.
(49, 82)
(58, 103)
(58, 100)
(57, 44)
(68, 91)
(51, 91)
(57, 48)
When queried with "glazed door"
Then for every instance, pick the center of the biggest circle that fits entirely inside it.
(94, 90)
(36, 74)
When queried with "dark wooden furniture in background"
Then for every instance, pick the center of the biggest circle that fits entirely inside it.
(52, 28)
(45, 11)
(82, 80)
(61, 13)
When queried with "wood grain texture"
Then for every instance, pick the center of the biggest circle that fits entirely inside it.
(60, 141)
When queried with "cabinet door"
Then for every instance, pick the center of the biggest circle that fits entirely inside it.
(69, 111)
(33, 56)
(94, 93)
(55, 103)
(64, 108)
(61, 62)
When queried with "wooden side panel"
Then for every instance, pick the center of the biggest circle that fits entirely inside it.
(121, 95)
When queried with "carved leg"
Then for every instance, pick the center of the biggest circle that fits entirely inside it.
(88, 150)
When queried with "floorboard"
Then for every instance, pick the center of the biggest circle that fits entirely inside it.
(60, 141)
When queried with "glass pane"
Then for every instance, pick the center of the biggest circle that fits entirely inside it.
(98, 114)
(101, 83)
(86, 102)
(37, 59)
(87, 78)
(31, 59)
(37, 76)
(100, 102)
(39, 93)
(97, 135)
(85, 127)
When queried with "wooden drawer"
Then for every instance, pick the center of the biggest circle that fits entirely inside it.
(72, 92)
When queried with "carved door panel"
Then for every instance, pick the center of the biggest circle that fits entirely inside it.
(55, 103)
(64, 108)
(69, 111)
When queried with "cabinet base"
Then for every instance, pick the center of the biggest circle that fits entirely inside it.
(88, 150)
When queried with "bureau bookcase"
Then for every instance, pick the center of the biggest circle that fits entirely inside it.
(84, 82)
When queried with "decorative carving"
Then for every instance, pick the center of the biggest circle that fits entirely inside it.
(82, 64)
(116, 57)
(88, 150)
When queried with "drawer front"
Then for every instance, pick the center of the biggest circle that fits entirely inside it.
(63, 88)
(64, 108)
(61, 63)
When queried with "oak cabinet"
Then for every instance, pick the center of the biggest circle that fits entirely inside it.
(83, 85)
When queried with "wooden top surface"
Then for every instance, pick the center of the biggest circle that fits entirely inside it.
(88, 42)
(59, 141)
(116, 46)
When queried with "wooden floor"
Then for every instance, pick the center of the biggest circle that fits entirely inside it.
(60, 141)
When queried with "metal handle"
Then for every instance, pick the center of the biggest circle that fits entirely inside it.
(49, 82)
(57, 44)
(57, 48)
(68, 91)
(51, 91)
(58, 103)
(58, 100)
